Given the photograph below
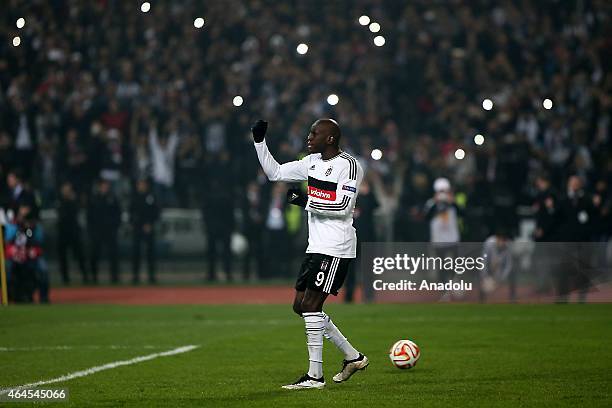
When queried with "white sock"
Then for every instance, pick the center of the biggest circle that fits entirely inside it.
(315, 324)
(334, 335)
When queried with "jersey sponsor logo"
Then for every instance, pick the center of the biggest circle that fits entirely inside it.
(325, 190)
(349, 188)
(322, 194)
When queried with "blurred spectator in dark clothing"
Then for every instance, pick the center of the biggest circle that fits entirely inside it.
(72, 162)
(253, 213)
(23, 240)
(276, 237)
(363, 221)
(602, 201)
(410, 219)
(218, 212)
(144, 214)
(577, 214)
(69, 232)
(19, 193)
(546, 208)
(188, 169)
(115, 117)
(103, 221)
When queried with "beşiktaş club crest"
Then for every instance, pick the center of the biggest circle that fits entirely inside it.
(328, 172)
(324, 264)
(312, 167)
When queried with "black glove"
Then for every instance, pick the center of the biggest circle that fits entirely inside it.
(296, 196)
(259, 130)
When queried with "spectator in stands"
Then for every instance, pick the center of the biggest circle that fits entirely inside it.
(276, 237)
(70, 237)
(499, 265)
(576, 228)
(103, 221)
(253, 213)
(218, 213)
(163, 152)
(144, 214)
(546, 207)
(443, 215)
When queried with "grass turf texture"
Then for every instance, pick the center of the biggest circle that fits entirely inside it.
(472, 355)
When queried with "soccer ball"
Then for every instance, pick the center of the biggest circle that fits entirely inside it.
(404, 354)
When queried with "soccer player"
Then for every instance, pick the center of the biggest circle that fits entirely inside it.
(333, 182)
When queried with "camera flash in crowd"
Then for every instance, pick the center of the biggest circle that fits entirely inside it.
(376, 154)
(459, 154)
(302, 49)
(145, 7)
(487, 104)
(198, 22)
(374, 27)
(364, 20)
(379, 41)
(16, 41)
(479, 139)
(548, 104)
(333, 99)
(237, 101)
(20, 22)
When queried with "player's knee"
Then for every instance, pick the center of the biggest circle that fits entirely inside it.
(310, 305)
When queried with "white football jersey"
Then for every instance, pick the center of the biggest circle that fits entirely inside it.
(333, 185)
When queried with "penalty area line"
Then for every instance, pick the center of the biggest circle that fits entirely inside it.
(97, 369)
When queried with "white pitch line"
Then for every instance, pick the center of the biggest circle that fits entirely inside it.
(90, 347)
(93, 370)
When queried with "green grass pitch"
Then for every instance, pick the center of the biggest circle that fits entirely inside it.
(472, 355)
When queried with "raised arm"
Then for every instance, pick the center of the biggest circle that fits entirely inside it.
(291, 171)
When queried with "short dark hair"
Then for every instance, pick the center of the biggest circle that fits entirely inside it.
(334, 129)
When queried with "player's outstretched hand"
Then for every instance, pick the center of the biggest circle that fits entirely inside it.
(296, 196)
(259, 130)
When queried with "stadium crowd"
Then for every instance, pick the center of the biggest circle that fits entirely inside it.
(100, 95)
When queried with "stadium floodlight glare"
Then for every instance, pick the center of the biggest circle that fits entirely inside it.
(379, 41)
(374, 27)
(479, 139)
(548, 104)
(364, 20)
(16, 41)
(333, 99)
(302, 49)
(487, 104)
(376, 154)
(237, 101)
(145, 7)
(459, 154)
(198, 22)
(20, 22)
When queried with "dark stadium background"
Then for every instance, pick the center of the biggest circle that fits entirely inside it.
(90, 78)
